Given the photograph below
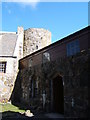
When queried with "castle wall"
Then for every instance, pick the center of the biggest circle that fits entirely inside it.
(27, 41)
(35, 39)
(34, 85)
(37, 81)
(56, 50)
(40, 69)
(7, 79)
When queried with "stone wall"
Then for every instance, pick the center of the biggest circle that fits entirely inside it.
(74, 72)
(7, 79)
(35, 39)
(27, 42)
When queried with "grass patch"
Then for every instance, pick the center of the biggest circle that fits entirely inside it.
(9, 107)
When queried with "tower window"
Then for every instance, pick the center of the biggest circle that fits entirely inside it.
(41, 37)
(36, 46)
(2, 67)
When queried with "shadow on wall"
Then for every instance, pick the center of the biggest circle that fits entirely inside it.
(16, 94)
(12, 115)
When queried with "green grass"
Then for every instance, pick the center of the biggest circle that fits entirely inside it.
(10, 107)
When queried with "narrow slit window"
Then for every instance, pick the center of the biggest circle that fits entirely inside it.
(36, 46)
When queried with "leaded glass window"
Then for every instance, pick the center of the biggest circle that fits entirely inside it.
(2, 67)
(73, 48)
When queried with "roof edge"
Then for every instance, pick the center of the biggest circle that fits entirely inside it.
(7, 32)
(9, 56)
(59, 41)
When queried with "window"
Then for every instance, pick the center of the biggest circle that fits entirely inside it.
(2, 67)
(20, 50)
(30, 62)
(73, 48)
(36, 88)
(36, 46)
(32, 88)
(46, 57)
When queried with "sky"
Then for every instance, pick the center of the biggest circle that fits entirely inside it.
(60, 18)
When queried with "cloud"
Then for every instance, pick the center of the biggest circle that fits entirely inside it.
(9, 11)
(36, 1)
(24, 3)
(32, 4)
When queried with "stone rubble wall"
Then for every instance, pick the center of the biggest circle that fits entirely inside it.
(7, 79)
(35, 39)
(28, 41)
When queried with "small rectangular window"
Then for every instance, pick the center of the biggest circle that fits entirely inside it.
(36, 46)
(46, 57)
(2, 67)
(73, 48)
(30, 62)
(34, 88)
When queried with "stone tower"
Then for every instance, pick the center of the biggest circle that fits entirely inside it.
(35, 39)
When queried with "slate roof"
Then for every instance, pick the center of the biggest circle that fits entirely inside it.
(7, 43)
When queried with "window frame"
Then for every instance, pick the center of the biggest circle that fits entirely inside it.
(73, 47)
(3, 67)
(46, 57)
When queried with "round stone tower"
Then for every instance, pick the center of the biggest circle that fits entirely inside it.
(35, 39)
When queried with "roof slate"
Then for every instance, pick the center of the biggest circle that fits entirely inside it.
(7, 44)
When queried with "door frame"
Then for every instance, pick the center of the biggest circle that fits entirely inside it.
(56, 75)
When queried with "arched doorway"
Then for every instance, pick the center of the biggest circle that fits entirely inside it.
(58, 96)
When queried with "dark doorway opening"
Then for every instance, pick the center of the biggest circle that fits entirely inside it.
(58, 97)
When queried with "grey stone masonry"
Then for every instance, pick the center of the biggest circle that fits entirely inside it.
(35, 39)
